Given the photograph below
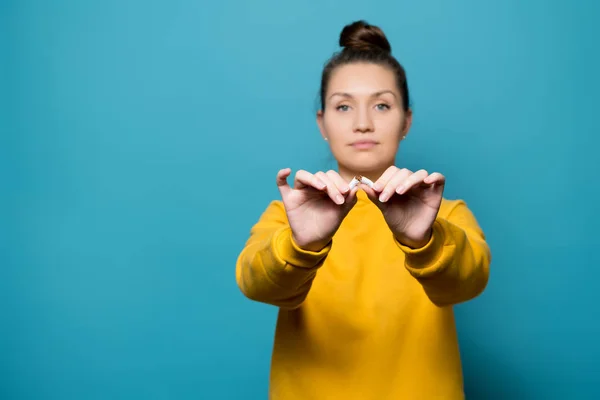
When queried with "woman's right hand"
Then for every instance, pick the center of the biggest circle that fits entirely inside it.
(315, 206)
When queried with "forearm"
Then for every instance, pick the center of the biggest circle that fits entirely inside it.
(272, 268)
(453, 266)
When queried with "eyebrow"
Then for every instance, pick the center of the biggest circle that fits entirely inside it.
(376, 94)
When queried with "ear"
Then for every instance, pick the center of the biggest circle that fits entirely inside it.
(407, 122)
(321, 124)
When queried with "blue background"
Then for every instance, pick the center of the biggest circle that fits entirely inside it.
(140, 141)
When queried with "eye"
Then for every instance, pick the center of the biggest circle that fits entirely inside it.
(342, 107)
(382, 107)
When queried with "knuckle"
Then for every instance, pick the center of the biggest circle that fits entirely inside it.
(332, 174)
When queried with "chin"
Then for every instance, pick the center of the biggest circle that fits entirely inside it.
(367, 165)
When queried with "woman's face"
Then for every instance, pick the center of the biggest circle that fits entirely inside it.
(363, 120)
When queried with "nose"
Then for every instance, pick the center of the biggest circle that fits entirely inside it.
(362, 121)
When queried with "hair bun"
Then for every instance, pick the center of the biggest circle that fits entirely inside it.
(360, 35)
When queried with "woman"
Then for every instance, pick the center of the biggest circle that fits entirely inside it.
(364, 277)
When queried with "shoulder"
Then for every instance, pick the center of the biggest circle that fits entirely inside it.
(458, 212)
(451, 207)
(275, 210)
(275, 206)
(271, 218)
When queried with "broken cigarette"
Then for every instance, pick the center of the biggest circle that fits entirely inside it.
(360, 179)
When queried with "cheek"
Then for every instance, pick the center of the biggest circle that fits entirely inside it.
(337, 127)
(389, 127)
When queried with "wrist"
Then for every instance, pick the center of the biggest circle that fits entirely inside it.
(415, 241)
(311, 246)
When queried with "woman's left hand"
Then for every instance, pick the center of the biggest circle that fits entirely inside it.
(409, 202)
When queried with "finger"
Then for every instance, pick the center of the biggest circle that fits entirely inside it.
(306, 179)
(415, 179)
(281, 180)
(332, 189)
(396, 180)
(339, 182)
(435, 179)
(351, 198)
(383, 180)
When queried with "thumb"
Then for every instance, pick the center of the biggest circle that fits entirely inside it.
(282, 184)
(351, 198)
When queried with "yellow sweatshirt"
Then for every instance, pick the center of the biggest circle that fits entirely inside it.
(366, 317)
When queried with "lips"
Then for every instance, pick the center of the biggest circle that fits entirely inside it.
(364, 144)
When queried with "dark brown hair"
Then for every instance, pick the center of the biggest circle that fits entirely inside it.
(364, 43)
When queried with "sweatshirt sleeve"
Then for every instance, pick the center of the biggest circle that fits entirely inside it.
(271, 268)
(453, 267)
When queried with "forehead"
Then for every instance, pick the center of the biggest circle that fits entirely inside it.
(361, 79)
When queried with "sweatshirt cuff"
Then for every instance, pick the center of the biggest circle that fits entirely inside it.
(289, 252)
(428, 255)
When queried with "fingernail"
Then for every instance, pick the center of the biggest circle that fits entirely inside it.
(376, 187)
(400, 189)
(384, 196)
(339, 198)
